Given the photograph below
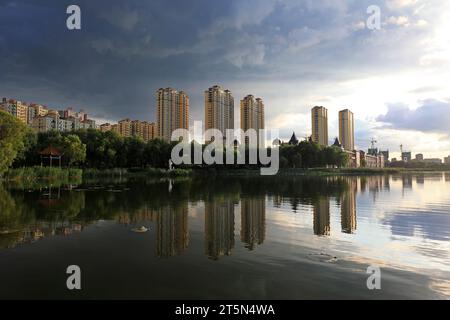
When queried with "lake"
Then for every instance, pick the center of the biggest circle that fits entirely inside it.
(229, 238)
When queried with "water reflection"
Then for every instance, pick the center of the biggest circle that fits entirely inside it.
(348, 207)
(251, 229)
(407, 181)
(322, 216)
(27, 216)
(172, 230)
(219, 227)
(253, 221)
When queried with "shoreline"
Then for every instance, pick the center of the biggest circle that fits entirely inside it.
(318, 172)
(55, 173)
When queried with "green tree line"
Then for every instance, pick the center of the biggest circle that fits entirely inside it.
(20, 147)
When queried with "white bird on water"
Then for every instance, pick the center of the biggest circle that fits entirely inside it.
(141, 229)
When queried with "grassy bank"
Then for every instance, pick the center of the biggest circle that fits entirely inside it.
(32, 174)
(37, 177)
(313, 171)
(134, 172)
(42, 173)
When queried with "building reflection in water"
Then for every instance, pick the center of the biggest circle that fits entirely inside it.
(407, 180)
(171, 222)
(447, 177)
(253, 221)
(172, 233)
(219, 227)
(321, 210)
(420, 179)
(62, 212)
(348, 207)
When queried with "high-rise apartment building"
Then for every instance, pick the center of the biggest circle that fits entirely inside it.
(347, 130)
(137, 129)
(319, 120)
(252, 113)
(219, 109)
(172, 111)
(124, 128)
(148, 131)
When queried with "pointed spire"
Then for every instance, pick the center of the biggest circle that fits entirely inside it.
(337, 143)
(294, 140)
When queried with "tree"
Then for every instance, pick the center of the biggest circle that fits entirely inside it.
(12, 133)
(27, 155)
(135, 151)
(69, 144)
(157, 153)
(73, 150)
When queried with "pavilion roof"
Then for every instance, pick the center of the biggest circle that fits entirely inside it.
(50, 151)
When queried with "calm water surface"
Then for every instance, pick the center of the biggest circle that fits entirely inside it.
(229, 238)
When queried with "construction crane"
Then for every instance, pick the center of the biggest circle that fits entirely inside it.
(372, 143)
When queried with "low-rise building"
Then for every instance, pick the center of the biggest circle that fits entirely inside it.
(447, 160)
(406, 156)
(53, 121)
(385, 154)
(105, 127)
(15, 108)
(39, 110)
(358, 159)
(42, 119)
(88, 124)
(374, 161)
(433, 161)
(353, 159)
(44, 124)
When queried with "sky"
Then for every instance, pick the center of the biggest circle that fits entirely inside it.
(294, 54)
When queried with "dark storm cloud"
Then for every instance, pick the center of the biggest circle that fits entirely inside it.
(126, 50)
